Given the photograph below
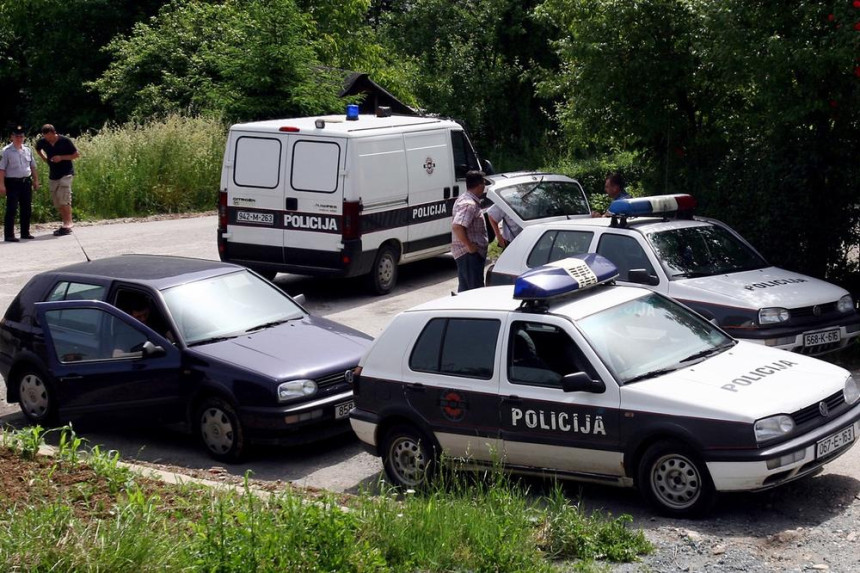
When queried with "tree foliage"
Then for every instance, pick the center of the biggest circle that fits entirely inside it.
(49, 49)
(753, 107)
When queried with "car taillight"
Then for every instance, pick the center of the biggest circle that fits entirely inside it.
(222, 210)
(351, 220)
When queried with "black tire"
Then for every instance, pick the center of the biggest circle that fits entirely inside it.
(673, 479)
(383, 274)
(220, 430)
(269, 275)
(409, 457)
(37, 397)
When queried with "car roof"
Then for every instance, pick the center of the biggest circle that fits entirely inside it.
(158, 271)
(501, 299)
(365, 125)
(517, 177)
(638, 223)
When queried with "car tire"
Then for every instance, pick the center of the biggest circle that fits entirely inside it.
(673, 479)
(220, 430)
(267, 274)
(37, 397)
(409, 457)
(383, 274)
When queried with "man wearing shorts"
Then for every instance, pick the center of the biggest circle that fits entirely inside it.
(58, 152)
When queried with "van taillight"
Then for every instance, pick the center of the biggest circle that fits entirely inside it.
(351, 220)
(222, 210)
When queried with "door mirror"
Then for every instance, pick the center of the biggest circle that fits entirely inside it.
(641, 276)
(151, 350)
(488, 167)
(582, 382)
(299, 299)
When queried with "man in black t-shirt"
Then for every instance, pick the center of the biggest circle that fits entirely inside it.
(58, 152)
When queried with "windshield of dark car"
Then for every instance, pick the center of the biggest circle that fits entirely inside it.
(703, 251)
(649, 336)
(227, 305)
(539, 199)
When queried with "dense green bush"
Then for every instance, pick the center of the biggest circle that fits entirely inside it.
(170, 165)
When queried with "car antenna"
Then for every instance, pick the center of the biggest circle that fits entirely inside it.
(75, 235)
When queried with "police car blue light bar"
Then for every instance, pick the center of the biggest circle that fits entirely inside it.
(653, 205)
(563, 277)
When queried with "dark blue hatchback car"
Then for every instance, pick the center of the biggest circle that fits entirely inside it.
(178, 340)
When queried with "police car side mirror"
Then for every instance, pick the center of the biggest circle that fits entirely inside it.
(300, 299)
(582, 382)
(641, 276)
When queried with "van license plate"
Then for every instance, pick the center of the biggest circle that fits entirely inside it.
(834, 441)
(342, 410)
(816, 338)
(253, 217)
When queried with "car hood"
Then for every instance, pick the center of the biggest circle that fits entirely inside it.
(745, 383)
(306, 348)
(757, 289)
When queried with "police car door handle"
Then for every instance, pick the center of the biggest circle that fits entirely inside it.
(419, 387)
(513, 398)
(446, 192)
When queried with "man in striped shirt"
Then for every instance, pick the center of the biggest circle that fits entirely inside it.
(469, 233)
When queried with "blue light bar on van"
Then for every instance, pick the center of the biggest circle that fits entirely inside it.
(562, 277)
(642, 206)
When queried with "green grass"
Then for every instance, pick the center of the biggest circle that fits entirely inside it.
(98, 516)
(171, 165)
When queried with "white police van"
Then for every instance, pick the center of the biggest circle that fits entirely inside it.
(658, 243)
(341, 195)
(569, 375)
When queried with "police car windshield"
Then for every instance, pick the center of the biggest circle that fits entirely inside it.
(535, 200)
(703, 251)
(650, 336)
(227, 306)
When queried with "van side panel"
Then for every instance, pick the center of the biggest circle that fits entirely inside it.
(377, 177)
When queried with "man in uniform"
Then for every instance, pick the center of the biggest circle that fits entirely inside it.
(469, 233)
(58, 152)
(18, 178)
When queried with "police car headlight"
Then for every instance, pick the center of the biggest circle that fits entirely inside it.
(769, 428)
(845, 304)
(296, 389)
(773, 315)
(851, 392)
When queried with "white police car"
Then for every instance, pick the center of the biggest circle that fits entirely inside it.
(532, 197)
(702, 263)
(610, 384)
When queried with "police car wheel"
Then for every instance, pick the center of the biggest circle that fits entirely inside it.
(36, 397)
(220, 430)
(383, 275)
(409, 458)
(673, 479)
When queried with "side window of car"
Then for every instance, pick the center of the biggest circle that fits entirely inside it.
(542, 354)
(66, 290)
(88, 334)
(557, 245)
(457, 347)
(625, 253)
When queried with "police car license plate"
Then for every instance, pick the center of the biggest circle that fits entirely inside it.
(834, 441)
(342, 410)
(825, 337)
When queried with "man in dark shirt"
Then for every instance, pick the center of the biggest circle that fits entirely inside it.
(58, 152)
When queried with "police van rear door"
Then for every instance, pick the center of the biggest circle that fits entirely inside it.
(254, 178)
(313, 200)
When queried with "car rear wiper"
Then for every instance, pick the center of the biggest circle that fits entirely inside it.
(535, 186)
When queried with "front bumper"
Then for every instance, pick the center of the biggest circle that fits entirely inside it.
(301, 423)
(748, 470)
(792, 339)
